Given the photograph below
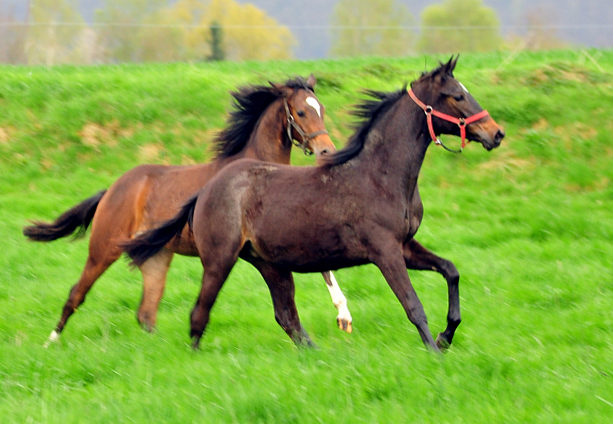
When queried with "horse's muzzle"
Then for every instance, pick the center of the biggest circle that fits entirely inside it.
(322, 146)
(488, 133)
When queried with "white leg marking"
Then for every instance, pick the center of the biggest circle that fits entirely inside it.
(53, 337)
(312, 101)
(339, 300)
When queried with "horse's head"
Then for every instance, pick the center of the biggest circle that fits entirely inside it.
(305, 118)
(451, 109)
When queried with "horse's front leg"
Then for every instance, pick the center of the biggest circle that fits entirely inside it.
(343, 319)
(419, 258)
(393, 269)
(282, 290)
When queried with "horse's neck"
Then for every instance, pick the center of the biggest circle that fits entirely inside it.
(396, 149)
(266, 142)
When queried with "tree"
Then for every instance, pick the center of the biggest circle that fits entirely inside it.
(50, 40)
(161, 38)
(144, 30)
(190, 15)
(217, 52)
(120, 27)
(371, 27)
(249, 34)
(148, 30)
(459, 26)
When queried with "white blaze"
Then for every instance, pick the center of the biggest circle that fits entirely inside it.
(462, 85)
(312, 101)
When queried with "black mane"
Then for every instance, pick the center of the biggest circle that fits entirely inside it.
(371, 109)
(249, 104)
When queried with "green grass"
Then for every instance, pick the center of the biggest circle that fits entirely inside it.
(528, 226)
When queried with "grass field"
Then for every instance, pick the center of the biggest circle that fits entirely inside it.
(528, 226)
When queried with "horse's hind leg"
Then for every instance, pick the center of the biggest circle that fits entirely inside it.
(154, 272)
(343, 320)
(419, 258)
(94, 267)
(281, 286)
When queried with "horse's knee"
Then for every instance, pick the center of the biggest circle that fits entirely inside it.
(451, 273)
(417, 315)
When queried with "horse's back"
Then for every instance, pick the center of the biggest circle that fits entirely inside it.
(265, 206)
(144, 196)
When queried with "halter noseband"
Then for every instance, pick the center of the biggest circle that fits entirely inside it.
(291, 123)
(460, 122)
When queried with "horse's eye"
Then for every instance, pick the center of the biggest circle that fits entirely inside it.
(301, 113)
(459, 97)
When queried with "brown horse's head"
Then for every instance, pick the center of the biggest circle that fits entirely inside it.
(305, 118)
(439, 90)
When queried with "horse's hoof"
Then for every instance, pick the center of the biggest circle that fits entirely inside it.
(196, 343)
(145, 322)
(306, 343)
(148, 327)
(302, 340)
(53, 337)
(442, 343)
(344, 324)
(309, 345)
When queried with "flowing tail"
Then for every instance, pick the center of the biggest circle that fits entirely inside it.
(74, 219)
(152, 241)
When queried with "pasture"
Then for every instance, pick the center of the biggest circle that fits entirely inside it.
(528, 226)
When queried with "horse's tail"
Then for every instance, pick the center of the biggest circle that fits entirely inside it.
(74, 219)
(147, 244)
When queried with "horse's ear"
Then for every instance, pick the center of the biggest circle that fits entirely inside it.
(450, 66)
(440, 74)
(311, 81)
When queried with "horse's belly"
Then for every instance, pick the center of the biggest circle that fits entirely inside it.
(320, 251)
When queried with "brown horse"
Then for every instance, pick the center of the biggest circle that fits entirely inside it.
(363, 206)
(265, 122)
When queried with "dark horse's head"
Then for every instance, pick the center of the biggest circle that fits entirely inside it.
(295, 105)
(453, 107)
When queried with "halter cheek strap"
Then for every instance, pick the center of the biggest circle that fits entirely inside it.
(291, 123)
(460, 122)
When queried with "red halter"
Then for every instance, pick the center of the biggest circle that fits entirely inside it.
(460, 122)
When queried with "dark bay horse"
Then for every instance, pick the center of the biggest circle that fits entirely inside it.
(263, 125)
(362, 206)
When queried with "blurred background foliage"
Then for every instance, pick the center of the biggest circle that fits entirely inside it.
(50, 32)
(145, 31)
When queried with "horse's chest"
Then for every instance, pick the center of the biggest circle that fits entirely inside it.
(412, 223)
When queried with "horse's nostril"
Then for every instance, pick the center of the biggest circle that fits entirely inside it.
(499, 135)
(324, 152)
